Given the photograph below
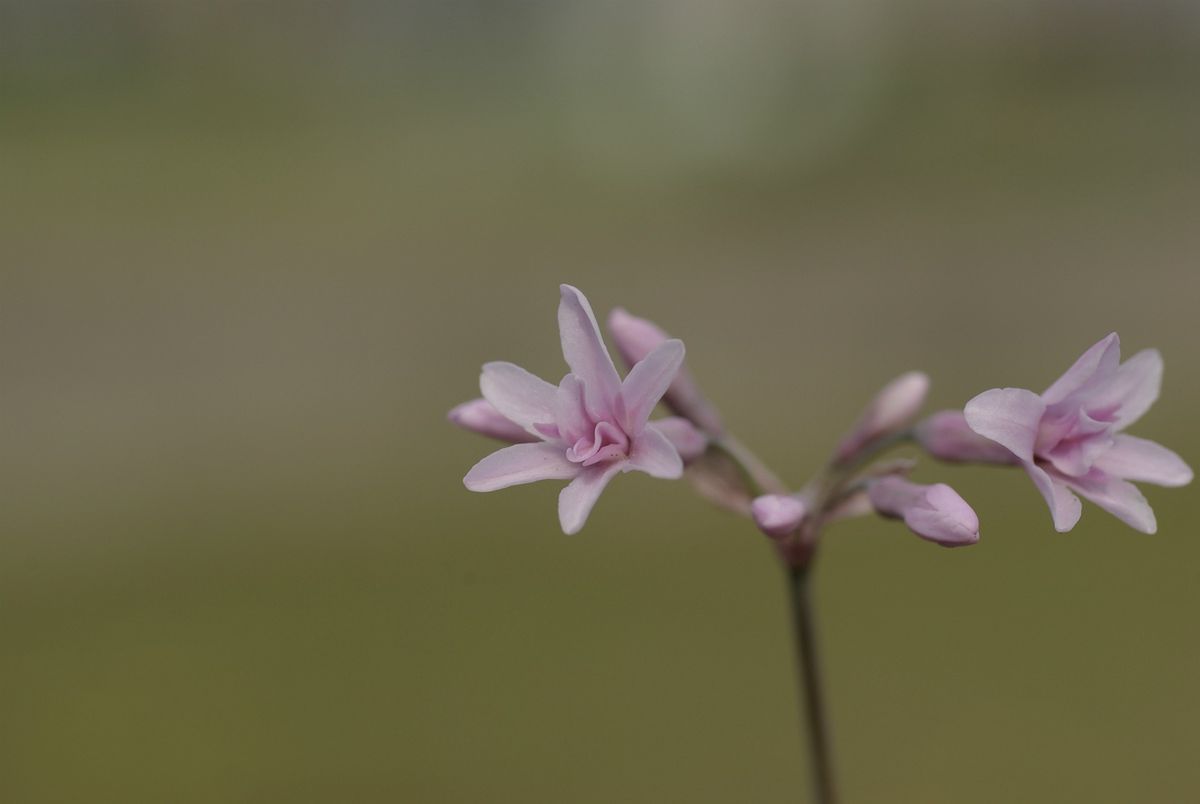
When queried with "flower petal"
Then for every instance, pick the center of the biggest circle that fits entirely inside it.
(480, 416)
(518, 395)
(1132, 458)
(688, 441)
(653, 453)
(1008, 416)
(1075, 457)
(570, 413)
(1119, 497)
(648, 381)
(576, 500)
(584, 351)
(520, 463)
(1096, 363)
(1065, 507)
(1129, 393)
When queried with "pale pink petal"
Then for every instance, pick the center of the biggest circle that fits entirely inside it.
(1096, 363)
(778, 515)
(1132, 458)
(520, 463)
(1123, 398)
(480, 416)
(688, 441)
(653, 453)
(1119, 497)
(1008, 416)
(648, 381)
(585, 353)
(518, 395)
(1075, 457)
(570, 414)
(576, 500)
(1065, 507)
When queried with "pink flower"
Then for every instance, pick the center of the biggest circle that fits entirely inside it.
(588, 429)
(936, 512)
(1070, 440)
(896, 404)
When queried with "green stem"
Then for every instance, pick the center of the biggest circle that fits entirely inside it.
(812, 698)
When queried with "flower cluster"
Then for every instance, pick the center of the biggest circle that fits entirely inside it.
(593, 425)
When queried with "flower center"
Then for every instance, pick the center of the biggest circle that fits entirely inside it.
(604, 443)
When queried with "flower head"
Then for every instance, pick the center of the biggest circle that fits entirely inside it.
(1070, 438)
(590, 427)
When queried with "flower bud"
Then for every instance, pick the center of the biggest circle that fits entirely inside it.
(936, 512)
(479, 416)
(889, 412)
(689, 442)
(945, 435)
(635, 338)
(778, 515)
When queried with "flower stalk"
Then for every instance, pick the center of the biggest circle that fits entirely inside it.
(812, 697)
(594, 425)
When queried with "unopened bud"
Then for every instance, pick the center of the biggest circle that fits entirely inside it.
(479, 416)
(635, 338)
(890, 411)
(936, 512)
(778, 515)
(945, 435)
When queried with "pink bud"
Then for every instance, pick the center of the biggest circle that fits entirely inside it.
(689, 442)
(635, 338)
(889, 412)
(936, 512)
(479, 416)
(778, 515)
(946, 435)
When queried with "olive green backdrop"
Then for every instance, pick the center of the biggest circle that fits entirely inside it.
(251, 254)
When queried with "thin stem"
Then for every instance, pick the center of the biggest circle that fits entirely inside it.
(761, 477)
(813, 702)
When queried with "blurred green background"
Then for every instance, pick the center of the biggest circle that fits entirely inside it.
(252, 252)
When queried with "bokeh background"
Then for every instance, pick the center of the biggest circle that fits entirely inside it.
(252, 252)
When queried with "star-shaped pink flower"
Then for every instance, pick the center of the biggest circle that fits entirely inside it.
(588, 429)
(1070, 439)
